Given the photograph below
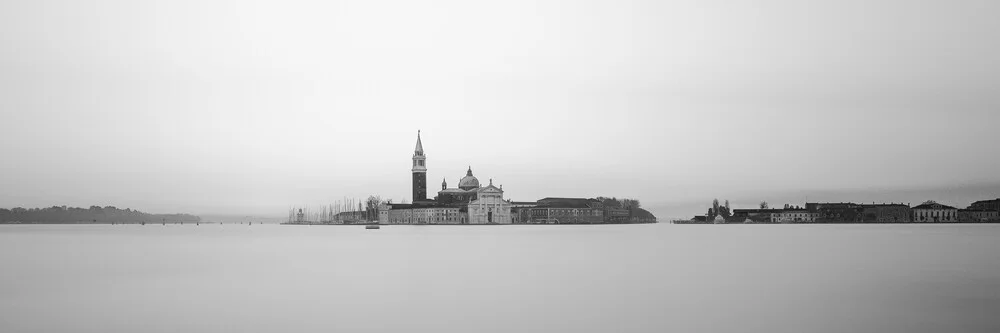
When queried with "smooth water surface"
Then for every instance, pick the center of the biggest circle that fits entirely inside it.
(607, 278)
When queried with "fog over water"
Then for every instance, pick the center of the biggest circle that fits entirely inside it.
(608, 278)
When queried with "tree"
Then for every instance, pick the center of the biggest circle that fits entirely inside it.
(715, 205)
(763, 205)
(629, 203)
(727, 204)
(372, 204)
(373, 201)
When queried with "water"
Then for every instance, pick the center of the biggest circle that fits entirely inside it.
(628, 278)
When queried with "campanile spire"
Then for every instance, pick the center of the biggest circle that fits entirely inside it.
(419, 149)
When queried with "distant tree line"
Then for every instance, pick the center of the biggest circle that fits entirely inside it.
(635, 211)
(619, 203)
(723, 210)
(94, 214)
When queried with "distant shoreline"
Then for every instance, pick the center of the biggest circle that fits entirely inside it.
(459, 224)
(844, 222)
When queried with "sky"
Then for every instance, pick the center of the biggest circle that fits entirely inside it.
(249, 107)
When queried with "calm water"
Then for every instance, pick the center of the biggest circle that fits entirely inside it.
(633, 278)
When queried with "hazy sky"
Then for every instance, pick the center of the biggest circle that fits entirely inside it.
(247, 107)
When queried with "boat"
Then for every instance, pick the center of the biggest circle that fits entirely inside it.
(372, 226)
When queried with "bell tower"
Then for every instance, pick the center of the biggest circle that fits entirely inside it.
(419, 172)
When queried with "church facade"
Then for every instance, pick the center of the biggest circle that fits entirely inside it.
(469, 203)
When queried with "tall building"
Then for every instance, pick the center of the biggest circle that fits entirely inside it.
(419, 172)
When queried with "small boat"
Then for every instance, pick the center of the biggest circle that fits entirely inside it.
(372, 226)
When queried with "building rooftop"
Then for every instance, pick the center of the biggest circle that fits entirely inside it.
(455, 190)
(885, 205)
(932, 205)
(757, 210)
(567, 202)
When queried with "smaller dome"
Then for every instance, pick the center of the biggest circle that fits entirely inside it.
(469, 181)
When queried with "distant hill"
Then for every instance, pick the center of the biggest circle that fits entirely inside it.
(94, 214)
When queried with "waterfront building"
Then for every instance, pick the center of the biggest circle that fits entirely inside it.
(520, 211)
(993, 205)
(978, 215)
(756, 215)
(616, 215)
(795, 215)
(425, 212)
(563, 211)
(885, 213)
(383, 212)
(836, 211)
(931, 211)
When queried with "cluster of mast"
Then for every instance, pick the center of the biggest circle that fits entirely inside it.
(347, 210)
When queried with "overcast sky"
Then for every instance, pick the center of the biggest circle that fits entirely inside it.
(247, 107)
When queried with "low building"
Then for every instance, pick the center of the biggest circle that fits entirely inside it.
(564, 211)
(519, 211)
(836, 212)
(931, 211)
(616, 215)
(755, 215)
(885, 213)
(422, 213)
(978, 215)
(794, 215)
(984, 205)
(697, 219)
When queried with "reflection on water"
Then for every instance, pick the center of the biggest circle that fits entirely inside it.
(610, 278)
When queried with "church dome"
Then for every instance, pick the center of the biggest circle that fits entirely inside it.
(469, 181)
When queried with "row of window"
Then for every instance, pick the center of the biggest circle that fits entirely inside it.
(574, 212)
(936, 214)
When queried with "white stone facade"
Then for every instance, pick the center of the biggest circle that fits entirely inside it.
(931, 211)
(935, 215)
(489, 207)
